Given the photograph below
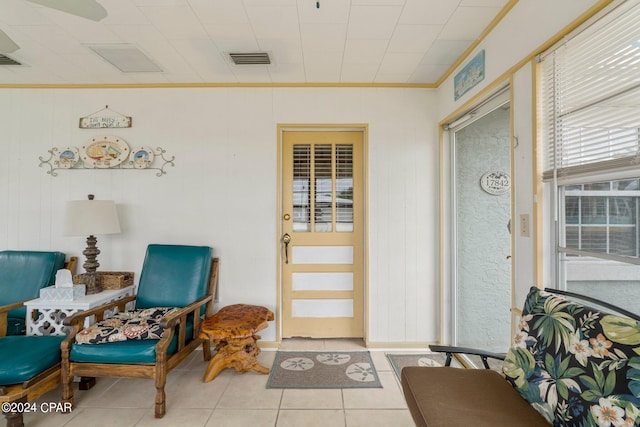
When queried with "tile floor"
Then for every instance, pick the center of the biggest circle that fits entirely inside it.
(233, 400)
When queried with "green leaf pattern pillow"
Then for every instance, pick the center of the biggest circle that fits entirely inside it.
(577, 365)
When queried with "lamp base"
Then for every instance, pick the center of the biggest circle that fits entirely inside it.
(93, 282)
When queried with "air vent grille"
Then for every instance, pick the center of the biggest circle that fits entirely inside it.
(5, 60)
(253, 58)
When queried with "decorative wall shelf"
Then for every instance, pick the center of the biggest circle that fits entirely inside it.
(107, 152)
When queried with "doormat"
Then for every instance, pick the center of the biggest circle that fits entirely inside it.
(313, 369)
(399, 361)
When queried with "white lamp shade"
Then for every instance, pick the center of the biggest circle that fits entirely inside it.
(91, 217)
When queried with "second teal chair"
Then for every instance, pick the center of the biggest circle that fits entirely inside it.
(177, 276)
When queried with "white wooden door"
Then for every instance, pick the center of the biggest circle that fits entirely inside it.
(322, 234)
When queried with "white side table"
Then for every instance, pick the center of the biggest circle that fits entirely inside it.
(52, 313)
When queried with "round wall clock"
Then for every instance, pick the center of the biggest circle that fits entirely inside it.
(495, 182)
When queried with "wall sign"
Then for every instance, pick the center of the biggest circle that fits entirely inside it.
(495, 182)
(100, 120)
(469, 76)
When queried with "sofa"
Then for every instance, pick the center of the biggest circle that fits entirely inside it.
(22, 275)
(570, 364)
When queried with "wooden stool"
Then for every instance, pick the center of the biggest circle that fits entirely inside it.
(233, 331)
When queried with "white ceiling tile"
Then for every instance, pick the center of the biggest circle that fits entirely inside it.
(219, 11)
(323, 67)
(428, 73)
(358, 73)
(136, 33)
(484, 3)
(445, 51)
(161, 2)
(373, 22)
(50, 36)
(323, 37)
(175, 22)
(123, 12)
(363, 51)
(201, 53)
(427, 12)
(283, 50)
(251, 73)
(392, 78)
(378, 2)
(287, 72)
(335, 12)
(82, 29)
(274, 22)
(413, 38)
(21, 13)
(399, 63)
(232, 37)
(467, 23)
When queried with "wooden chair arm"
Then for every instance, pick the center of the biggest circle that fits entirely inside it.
(4, 314)
(171, 319)
(5, 308)
(451, 350)
(99, 310)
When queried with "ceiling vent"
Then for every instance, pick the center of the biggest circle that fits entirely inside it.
(126, 57)
(5, 60)
(252, 58)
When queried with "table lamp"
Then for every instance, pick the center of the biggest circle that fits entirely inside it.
(91, 218)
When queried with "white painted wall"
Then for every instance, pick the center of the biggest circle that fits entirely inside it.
(223, 189)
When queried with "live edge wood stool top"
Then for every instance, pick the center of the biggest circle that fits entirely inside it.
(233, 331)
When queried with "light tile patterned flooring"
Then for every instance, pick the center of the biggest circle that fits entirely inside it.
(234, 400)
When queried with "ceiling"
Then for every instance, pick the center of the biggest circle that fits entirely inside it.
(402, 42)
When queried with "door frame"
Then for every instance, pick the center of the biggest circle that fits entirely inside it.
(352, 127)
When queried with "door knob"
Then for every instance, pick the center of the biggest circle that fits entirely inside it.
(286, 239)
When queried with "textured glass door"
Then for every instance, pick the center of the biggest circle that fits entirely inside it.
(482, 232)
(322, 240)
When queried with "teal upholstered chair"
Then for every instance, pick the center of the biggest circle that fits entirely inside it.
(22, 275)
(172, 276)
(29, 367)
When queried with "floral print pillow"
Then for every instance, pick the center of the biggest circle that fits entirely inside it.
(577, 365)
(130, 325)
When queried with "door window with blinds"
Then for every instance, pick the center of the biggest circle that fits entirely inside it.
(313, 188)
(590, 112)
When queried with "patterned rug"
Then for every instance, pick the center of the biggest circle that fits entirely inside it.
(312, 369)
(399, 361)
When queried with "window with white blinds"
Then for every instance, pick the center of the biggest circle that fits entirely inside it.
(591, 98)
(589, 106)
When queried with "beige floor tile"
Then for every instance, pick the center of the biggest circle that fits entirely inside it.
(243, 418)
(380, 361)
(379, 418)
(302, 344)
(342, 344)
(388, 397)
(185, 389)
(104, 417)
(311, 399)
(177, 417)
(250, 391)
(123, 393)
(310, 418)
(46, 418)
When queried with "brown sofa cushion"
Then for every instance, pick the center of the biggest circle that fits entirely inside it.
(489, 400)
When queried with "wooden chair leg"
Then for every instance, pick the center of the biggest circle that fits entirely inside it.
(14, 419)
(161, 380)
(67, 382)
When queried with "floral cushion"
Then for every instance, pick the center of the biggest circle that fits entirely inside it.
(130, 325)
(577, 365)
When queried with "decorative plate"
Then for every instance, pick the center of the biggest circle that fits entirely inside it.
(495, 182)
(141, 157)
(104, 152)
(67, 157)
